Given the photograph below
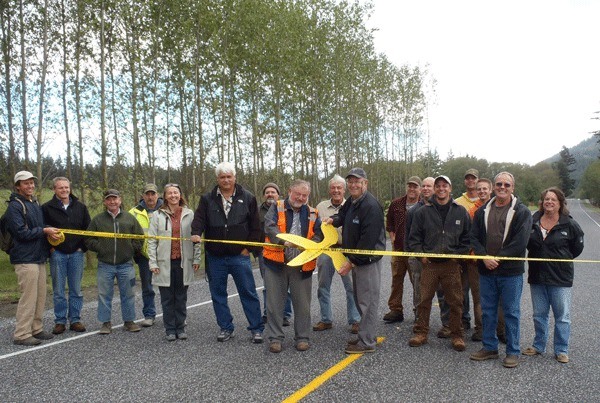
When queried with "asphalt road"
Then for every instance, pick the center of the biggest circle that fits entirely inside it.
(145, 367)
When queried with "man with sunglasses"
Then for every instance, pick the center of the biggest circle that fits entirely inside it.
(501, 228)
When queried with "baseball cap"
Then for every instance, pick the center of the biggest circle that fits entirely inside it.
(357, 173)
(414, 179)
(150, 187)
(111, 193)
(473, 172)
(444, 178)
(23, 176)
(271, 185)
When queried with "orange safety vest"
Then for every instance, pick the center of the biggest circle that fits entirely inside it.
(276, 254)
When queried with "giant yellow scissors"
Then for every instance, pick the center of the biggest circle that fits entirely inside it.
(312, 250)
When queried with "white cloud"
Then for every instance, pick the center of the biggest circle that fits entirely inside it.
(517, 80)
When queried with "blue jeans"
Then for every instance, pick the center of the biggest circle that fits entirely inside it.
(125, 275)
(559, 298)
(67, 268)
(325, 276)
(219, 269)
(287, 311)
(507, 289)
(149, 309)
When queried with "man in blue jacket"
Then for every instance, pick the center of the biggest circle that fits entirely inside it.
(64, 210)
(28, 255)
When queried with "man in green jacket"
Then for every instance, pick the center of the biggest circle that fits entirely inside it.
(115, 259)
(143, 212)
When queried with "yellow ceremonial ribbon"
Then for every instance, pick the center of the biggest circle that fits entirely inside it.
(348, 251)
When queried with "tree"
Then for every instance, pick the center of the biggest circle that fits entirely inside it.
(563, 168)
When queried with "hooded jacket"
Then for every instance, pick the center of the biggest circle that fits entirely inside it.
(516, 236)
(27, 231)
(159, 250)
(76, 216)
(429, 234)
(564, 241)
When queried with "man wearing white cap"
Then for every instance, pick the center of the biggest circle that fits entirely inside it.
(25, 223)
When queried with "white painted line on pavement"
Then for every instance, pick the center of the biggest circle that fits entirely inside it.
(87, 334)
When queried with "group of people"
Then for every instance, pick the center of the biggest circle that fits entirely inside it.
(487, 220)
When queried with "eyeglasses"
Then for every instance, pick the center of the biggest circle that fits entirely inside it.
(500, 184)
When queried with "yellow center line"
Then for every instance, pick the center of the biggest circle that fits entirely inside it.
(325, 376)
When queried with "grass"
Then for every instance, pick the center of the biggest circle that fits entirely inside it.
(9, 287)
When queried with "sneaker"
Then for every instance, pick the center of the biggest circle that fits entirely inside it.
(77, 327)
(131, 326)
(477, 336)
(106, 328)
(30, 341)
(59, 328)
(224, 335)
(171, 337)
(393, 316)
(182, 336)
(147, 322)
(302, 346)
(484, 354)
(358, 349)
(43, 335)
(458, 344)
(418, 340)
(354, 328)
(530, 351)
(257, 337)
(510, 361)
(562, 358)
(287, 322)
(444, 333)
(275, 347)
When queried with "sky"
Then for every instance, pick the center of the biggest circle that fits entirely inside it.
(516, 80)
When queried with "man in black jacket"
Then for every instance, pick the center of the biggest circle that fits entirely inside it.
(64, 210)
(363, 228)
(229, 212)
(441, 227)
(28, 255)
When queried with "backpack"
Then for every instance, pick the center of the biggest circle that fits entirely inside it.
(6, 241)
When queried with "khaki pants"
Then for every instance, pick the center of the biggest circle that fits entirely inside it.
(30, 311)
(399, 269)
(446, 274)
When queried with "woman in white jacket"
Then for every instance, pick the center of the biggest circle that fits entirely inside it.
(173, 262)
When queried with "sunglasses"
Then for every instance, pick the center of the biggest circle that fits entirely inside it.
(505, 184)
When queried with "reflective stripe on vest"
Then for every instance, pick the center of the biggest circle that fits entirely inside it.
(277, 254)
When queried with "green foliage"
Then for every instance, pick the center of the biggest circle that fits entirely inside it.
(590, 183)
